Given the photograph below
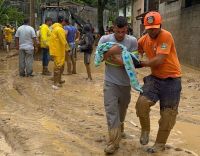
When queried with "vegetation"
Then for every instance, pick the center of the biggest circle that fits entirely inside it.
(9, 15)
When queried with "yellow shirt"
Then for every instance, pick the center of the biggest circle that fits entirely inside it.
(8, 34)
(45, 34)
(57, 42)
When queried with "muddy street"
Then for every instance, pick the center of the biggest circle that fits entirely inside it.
(37, 120)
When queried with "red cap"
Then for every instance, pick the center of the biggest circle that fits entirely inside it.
(152, 20)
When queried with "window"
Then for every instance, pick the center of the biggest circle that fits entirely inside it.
(168, 1)
(189, 3)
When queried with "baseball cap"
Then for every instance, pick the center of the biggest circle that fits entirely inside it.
(60, 19)
(152, 19)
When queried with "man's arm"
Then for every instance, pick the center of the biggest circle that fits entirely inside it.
(154, 62)
(113, 55)
(108, 56)
(17, 42)
(35, 44)
(66, 33)
(77, 38)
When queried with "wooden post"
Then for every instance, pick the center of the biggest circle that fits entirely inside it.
(32, 13)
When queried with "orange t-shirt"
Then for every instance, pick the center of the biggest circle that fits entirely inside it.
(163, 44)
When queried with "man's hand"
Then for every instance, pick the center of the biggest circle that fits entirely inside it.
(112, 51)
(117, 59)
(154, 62)
(144, 63)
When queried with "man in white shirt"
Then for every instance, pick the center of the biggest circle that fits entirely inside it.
(25, 41)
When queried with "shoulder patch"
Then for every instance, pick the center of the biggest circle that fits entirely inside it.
(164, 46)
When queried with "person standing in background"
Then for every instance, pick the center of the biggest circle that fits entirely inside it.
(8, 35)
(72, 35)
(86, 46)
(45, 34)
(58, 46)
(25, 43)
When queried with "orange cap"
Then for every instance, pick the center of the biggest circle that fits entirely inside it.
(152, 20)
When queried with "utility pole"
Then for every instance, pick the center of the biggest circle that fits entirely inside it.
(117, 7)
(132, 12)
(124, 8)
(32, 13)
(58, 4)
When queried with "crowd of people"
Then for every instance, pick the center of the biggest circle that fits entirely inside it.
(60, 42)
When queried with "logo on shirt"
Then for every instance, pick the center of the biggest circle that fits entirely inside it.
(164, 46)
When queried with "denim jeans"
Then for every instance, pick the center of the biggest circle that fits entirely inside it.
(167, 91)
(45, 56)
(25, 62)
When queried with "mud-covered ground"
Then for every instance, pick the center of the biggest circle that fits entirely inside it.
(37, 120)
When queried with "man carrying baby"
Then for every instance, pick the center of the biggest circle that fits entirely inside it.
(116, 83)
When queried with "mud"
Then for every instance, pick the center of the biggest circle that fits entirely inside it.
(37, 120)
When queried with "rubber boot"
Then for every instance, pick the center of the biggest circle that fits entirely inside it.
(166, 123)
(45, 71)
(61, 71)
(145, 125)
(114, 139)
(143, 105)
(123, 134)
(57, 77)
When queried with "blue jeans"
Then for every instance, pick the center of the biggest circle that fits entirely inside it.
(25, 62)
(45, 56)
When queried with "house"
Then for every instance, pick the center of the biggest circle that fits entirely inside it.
(181, 18)
(128, 12)
(140, 8)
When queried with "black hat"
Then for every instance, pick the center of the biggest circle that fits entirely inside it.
(60, 19)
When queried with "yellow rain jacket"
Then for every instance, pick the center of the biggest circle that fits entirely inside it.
(45, 34)
(58, 44)
(8, 33)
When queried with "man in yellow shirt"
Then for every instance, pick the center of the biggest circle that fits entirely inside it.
(45, 33)
(8, 33)
(57, 47)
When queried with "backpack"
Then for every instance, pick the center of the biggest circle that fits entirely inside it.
(87, 46)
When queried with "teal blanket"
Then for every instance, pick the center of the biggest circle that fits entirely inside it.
(127, 61)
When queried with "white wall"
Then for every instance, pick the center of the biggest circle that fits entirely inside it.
(138, 8)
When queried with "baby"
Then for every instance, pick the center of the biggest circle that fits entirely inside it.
(119, 56)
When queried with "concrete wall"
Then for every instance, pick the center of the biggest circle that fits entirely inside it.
(138, 8)
(184, 24)
(88, 13)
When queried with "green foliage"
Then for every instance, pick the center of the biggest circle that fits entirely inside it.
(9, 15)
(88, 2)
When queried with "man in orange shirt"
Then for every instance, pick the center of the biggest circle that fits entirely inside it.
(164, 83)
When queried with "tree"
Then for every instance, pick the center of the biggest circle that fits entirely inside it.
(9, 14)
(101, 6)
